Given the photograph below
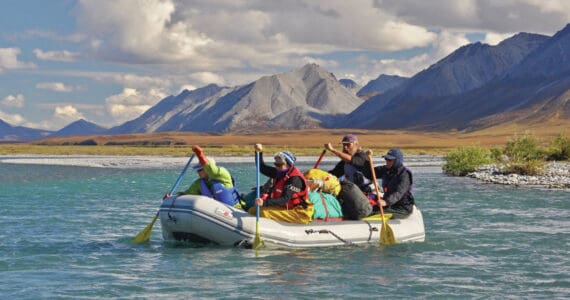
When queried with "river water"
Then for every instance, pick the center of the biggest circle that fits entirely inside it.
(66, 231)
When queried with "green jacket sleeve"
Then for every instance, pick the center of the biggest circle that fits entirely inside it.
(194, 188)
(220, 174)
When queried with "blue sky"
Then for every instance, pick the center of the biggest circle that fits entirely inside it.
(109, 61)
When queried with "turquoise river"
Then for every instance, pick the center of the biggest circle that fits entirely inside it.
(65, 233)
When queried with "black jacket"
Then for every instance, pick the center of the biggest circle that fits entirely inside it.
(359, 161)
(397, 187)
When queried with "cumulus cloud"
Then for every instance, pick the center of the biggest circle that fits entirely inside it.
(9, 60)
(67, 113)
(447, 42)
(217, 35)
(131, 103)
(14, 101)
(482, 15)
(65, 56)
(12, 119)
(230, 42)
(55, 86)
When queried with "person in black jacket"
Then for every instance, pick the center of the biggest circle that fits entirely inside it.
(354, 163)
(396, 184)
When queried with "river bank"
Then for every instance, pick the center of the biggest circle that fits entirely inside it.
(556, 175)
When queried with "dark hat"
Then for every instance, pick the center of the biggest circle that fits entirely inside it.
(349, 138)
(394, 153)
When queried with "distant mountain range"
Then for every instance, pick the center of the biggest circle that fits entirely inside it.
(9, 133)
(525, 78)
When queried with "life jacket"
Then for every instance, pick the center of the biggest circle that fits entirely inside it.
(386, 182)
(298, 197)
(229, 196)
(357, 177)
(407, 202)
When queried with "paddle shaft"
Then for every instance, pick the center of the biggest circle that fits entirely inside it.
(376, 185)
(320, 159)
(258, 189)
(181, 175)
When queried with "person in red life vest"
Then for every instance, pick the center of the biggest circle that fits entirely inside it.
(215, 182)
(397, 184)
(353, 165)
(285, 195)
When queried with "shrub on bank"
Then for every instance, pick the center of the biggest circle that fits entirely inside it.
(559, 148)
(463, 160)
(524, 156)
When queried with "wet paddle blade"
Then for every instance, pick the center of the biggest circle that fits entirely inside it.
(257, 242)
(387, 234)
(144, 235)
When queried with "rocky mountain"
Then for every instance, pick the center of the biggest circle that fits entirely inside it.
(427, 99)
(308, 97)
(80, 127)
(380, 85)
(9, 133)
(167, 113)
(350, 85)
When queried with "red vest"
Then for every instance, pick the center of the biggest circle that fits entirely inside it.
(298, 197)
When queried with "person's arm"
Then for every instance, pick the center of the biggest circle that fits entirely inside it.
(344, 156)
(404, 185)
(292, 185)
(266, 170)
(194, 189)
(220, 174)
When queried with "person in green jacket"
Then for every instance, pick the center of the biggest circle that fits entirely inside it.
(215, 182)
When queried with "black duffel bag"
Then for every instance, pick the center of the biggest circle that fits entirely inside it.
(355, 204)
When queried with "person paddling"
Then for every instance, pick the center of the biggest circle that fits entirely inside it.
(285, 195)
(215, 182)
(354, 163)
(397, 183)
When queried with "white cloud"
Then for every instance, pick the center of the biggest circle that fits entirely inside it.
(14, 100)
(208, 77)
(493, 39)
(67, 113)
(131, 103)
(216, 35)
(12, 119)
(55, 86)
(64, 55)
(447, 42)
(9, 60)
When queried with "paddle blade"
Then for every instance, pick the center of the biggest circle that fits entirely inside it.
(387, 234)
(257, 242)
(144, 235)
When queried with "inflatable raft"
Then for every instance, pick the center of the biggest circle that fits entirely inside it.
(203, 219)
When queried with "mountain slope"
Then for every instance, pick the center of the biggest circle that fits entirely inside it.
(427, 99)
(9, 133)
(79, 127)
(162, 113)
(380, 85)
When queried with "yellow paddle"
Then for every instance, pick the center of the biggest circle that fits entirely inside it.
(257, 242)
(386, 233)
(144, 235)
